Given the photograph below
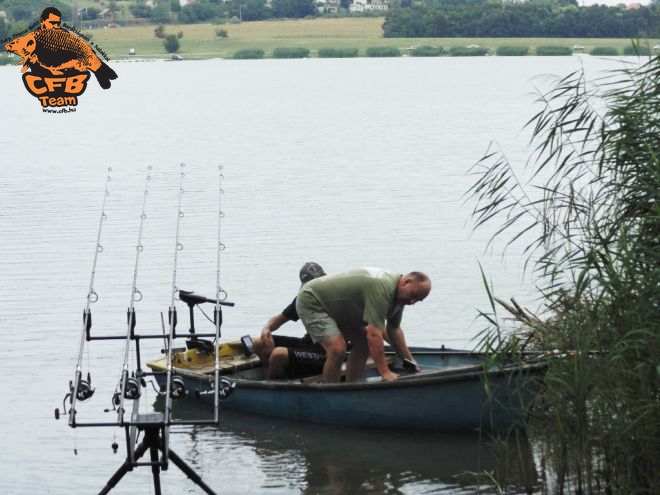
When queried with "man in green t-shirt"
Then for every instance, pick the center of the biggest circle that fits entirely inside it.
(360, 306)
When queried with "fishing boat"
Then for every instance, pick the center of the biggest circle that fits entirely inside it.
(455, 390)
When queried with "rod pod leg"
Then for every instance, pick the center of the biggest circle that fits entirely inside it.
(153, 441)
(194, 477)
(154, 444)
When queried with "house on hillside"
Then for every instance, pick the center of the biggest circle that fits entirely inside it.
(328, 6)
(107, 14)
(368, 5)
(3, 16)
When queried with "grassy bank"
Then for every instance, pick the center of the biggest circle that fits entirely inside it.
(201, 42)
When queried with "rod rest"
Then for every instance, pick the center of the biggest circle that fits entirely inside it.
(191, 299)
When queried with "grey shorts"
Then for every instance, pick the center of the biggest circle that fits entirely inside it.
(317, 322)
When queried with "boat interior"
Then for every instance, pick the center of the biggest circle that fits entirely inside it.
(237, 360)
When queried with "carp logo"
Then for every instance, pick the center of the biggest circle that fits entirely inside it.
(58, 61)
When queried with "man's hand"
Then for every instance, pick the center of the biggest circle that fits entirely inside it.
(267, 337)
(388, 376)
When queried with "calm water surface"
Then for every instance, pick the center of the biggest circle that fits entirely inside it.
(344, 162)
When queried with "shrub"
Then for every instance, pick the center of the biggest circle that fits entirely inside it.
(338, 52)
(462, 51)
(383, 51)
(290, 52)
(159, 32)
(427, 51)
(171, 43)
(512, 51)
(604, 50)
(251, 53)
(179, 34)
(221, 33)
(636, 50)
(553, 51)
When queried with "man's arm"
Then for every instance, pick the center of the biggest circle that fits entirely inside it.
(398, 341)
(271, 325)
(377, 352)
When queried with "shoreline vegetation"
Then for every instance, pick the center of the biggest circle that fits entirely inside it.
(328, 37)
(589, 220)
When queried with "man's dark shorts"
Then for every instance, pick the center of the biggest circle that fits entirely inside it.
(305, 357)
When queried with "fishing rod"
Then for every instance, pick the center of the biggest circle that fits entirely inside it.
(180, 389)
(130, 386)
(219, 294)
(82, 389)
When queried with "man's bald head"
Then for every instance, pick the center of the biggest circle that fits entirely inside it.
(413, 287)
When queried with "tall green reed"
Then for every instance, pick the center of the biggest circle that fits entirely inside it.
(592, 212)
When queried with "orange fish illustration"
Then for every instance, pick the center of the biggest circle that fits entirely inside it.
(57, 50)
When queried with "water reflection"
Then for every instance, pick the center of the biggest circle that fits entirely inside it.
(287, 456)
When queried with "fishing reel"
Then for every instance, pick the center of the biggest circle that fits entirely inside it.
(178, 388)
(225, 388)
(132, 389)
(84, 392)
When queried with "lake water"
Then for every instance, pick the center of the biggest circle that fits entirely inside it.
(344, 162)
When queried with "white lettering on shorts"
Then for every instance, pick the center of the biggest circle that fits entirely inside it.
(312, 356)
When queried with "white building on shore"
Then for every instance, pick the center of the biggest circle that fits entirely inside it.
(368, 5)
(328, 6)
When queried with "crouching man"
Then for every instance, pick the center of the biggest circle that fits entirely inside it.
(359, 306)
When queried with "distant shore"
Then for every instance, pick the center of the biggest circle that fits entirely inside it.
(205, 41)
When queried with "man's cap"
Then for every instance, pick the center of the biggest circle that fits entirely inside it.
(310, 271)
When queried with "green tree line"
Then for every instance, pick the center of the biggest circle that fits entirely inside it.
(212, 10)
(22, 12)
(521, 20)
